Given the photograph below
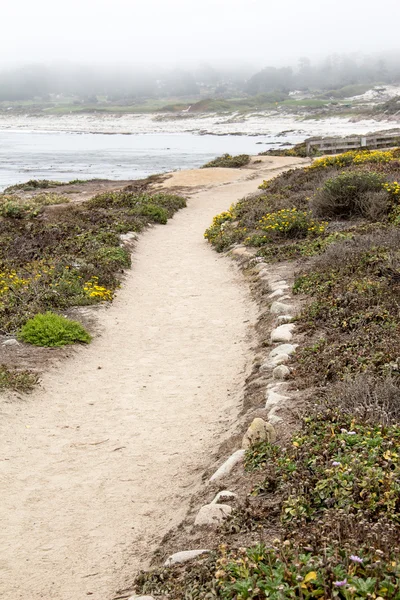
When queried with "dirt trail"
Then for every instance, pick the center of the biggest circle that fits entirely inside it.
(101, 461)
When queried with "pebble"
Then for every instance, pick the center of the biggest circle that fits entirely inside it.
(259, 431)
(283, 333)
(11, 342)
(281, 372)
(181, 557)
(276, 293)
(274, 399)
(228, 465)
(279, 308)
(283, 349)
(284, 319)
(225, 496)
(242, 252)
(211, 515)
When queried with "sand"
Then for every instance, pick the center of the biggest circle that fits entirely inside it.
(101, 461)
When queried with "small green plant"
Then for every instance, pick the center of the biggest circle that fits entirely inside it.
(229, 162)
(49, 329)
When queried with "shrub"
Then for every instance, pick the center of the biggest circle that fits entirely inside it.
(346, 195)
(355, 157)
(16, 380)
(14, 207)
(290, 223)
(50, 329)
(228, 161)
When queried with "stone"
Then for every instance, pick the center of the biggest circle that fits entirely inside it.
(276, 293)
(242, 252)
(273, 418)
(259, 267)
(284, 319)
(11, 342)
(128, 238)
(280, 359)
(274, 399)
(224, 496)
(181, 557)
(259, 431)
(273, 362)
(283, 349)
(212, 515)
(283, 333)
(279, 308)
(228, 465)
(281, 372)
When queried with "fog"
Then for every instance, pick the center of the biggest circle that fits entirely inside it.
(181, 32)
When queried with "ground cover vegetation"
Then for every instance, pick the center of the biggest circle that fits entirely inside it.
(228, 161)
(53, 257)
(324, 503)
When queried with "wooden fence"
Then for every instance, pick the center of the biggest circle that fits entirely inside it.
(354, 142)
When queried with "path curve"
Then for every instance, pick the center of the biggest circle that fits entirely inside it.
(102, 460)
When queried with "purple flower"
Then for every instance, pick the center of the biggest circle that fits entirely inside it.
(336, 463)
(343, 430)
(356, 558)
(340, 583)
(351, 433)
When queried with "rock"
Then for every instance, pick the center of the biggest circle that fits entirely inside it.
(283, 333)
(276, 385)
(259, 267)
(284, 319)
(283, 349)
(281, 372)
(276, 293)
(181, 557)
(225, 496)
(273, 418)
(279, 308)
(228, 465)
(11, 342)
(274, 399)
(280, 359)
(128, 238)
(242, 252)
(259, 431)
(273, 362)
(211, 515)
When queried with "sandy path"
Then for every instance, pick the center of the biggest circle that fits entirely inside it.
(101, 461)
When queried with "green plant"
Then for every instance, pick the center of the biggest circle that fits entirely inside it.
(17, 380)
(345, 195)
(228, 161)
(50, 329)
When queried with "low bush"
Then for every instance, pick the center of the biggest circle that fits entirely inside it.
(15, 207)
(50, 329)
(229, 162)
(17, 380)
(71, 256)
(348, 195)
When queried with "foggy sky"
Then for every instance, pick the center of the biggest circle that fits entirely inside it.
(184, 31)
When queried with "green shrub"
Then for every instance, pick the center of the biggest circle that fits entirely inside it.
(49, 329)
(229, 162)
(15, 207)
(347, 195)
(156, 214)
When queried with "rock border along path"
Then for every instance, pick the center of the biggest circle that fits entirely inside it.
(101, 461)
